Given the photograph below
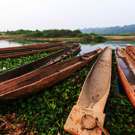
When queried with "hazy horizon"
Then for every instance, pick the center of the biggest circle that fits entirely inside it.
(63, 14)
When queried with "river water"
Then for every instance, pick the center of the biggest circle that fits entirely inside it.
(84, 47)
(114, 44)
(5, 43)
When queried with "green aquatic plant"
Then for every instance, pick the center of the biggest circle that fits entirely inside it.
(120, 114)
(10, 63)
(47, 111)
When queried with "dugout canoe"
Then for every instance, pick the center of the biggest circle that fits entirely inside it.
(32, 50)
(126, 74)
(53, 58)
(25, 53)
(31, 47)
(130, 50)
(87, 116)
(43, 77)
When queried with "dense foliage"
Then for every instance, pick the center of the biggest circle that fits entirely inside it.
(47, 33)
(80, 37)
(87, 38)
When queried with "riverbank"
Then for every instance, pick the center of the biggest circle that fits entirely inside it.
(52, 36)
(120, 38)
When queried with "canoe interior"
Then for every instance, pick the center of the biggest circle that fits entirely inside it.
(126, 74)
(97, 82)
(126, 70)
(44, 72)
(87, 116)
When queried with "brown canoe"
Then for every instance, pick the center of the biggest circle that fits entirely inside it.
(53, 58)
(24, 51)
(126, 74)
(43, 77)
(87, 116)
(31, 47)
(130, 50)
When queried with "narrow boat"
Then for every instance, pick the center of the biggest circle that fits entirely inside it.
(30, 50)
(43, 77)
(30, 47)
(25, 53)
(126, 74)
(53, 58)
(87, 116)
(130, 50)
(130, 57)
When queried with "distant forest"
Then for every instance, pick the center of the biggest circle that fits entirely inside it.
(117, 30)
(82, 37)
(47, 33)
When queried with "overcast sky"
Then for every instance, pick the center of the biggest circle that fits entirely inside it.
(67, 14)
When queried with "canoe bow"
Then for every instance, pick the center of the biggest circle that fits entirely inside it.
(87, 116)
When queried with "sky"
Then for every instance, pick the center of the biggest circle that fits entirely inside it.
(65, 14)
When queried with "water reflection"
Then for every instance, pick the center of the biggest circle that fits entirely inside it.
(84, 47)
(5, 43)
(114, 44)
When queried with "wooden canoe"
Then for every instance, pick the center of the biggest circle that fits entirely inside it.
(130, 57)
(126, 74)
(53, 58)
(130, 50)
(87, 116)
(30, 51)
(30, 47)
(43, 77)
(25, 53)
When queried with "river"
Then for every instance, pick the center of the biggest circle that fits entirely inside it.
(6, 43)
(114, 44)
(84, 47)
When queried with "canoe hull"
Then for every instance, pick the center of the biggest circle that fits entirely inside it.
(52, 78)
(127, 87)
(31, 49)
(55, 57)
(127, 82)
(42, 84)
(92, 99)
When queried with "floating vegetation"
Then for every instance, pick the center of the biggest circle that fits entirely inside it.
(120, 114)
(10, 63)
(45, 113)
(48, 110)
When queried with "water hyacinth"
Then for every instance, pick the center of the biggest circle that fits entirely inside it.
(46, 112)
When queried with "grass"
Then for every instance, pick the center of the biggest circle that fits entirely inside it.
(46, 112)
